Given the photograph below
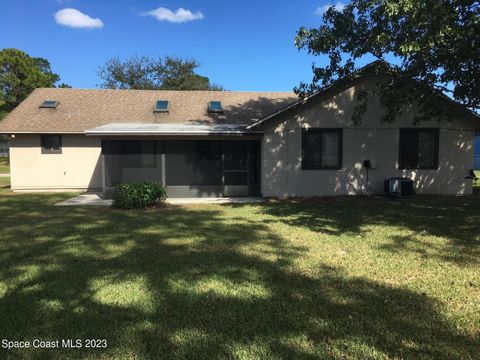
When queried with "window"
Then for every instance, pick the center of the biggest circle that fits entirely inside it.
(321, 149)
(418, 149)
(161, 106)
(51, 104)
(51, 144)
(215, 106)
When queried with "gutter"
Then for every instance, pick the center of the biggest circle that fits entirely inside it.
(170, 133)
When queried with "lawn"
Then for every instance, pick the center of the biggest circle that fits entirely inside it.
(4, 166)
(345, 278)
(476, 184)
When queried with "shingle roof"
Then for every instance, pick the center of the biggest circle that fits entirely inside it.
(81, 109)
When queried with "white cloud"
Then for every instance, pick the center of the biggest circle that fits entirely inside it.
(76, 19)
(179, 16)
(339, 6)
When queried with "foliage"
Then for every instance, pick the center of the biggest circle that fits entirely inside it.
(144, 72)
(471, 175)
(138, 195)
(476, 182)
(3, 109)
(20, 74)
(436, 45)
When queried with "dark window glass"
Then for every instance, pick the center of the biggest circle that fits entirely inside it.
(322, 149)
(51, 144)
(426, 149)
(49, 104)
(418, 149)
(409, 149)
(162, 105)
(330, 150)
(215, 106)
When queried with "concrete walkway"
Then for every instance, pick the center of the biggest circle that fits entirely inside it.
(214, 200)
(84, 200)
(4, 175)
(91, 199)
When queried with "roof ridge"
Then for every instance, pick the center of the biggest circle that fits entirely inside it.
(161, 90)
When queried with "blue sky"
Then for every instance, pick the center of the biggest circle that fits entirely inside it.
(243, 45)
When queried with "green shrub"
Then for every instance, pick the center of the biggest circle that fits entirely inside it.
(138, 195)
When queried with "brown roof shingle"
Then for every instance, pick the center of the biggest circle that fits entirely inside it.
(81, 109)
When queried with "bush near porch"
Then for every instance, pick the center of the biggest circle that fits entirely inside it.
(138, 195)
(344, 278)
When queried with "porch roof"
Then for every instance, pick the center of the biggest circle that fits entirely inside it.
(143, 129)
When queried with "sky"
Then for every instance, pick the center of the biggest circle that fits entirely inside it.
(243, 45)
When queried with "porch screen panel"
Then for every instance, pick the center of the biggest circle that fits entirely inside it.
(131, 160)
(193, 162)
(254, 162)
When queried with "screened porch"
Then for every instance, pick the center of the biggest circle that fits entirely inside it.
(188, 168)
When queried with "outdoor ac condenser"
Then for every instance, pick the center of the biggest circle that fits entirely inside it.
(399, 187)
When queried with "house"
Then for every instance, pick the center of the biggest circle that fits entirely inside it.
(211, 143)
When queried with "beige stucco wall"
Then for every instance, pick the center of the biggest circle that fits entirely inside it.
(77, 167)
(282, 173)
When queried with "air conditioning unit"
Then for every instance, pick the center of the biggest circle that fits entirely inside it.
(399, 187)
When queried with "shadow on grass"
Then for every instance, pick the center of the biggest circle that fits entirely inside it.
(455, 218)
(197, 283)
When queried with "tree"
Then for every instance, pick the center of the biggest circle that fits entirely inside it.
(20, 74)
(435, 44)
(143, 72)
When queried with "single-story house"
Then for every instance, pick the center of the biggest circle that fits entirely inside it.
(227, 143)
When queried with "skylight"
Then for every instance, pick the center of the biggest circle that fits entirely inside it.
(161, 106)
(51, 104)
(215, 106)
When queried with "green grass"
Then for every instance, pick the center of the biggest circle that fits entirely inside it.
(476, 184)
(4, 166)
(345, 278)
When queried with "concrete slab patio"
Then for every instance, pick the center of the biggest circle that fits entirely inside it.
(214, 200)
(88, 199)
(93, 199)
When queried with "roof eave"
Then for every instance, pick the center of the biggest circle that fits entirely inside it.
(169, 133)
(7, 132)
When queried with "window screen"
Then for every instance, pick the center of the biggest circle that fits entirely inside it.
(131, 160)
(193, 163)
(322, 149)
(51, 144)
(418, 148)
(235, 153)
